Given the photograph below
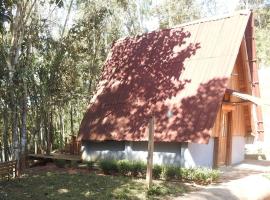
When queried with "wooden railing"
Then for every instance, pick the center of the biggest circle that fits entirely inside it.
(8, 170)
(73, 147)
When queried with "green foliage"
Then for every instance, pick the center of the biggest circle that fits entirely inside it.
(154, 191)
(108, 166)
(64, 186)
(124, 167)
(166, 188)
(261, 11)
(60, 163)
(157, 170)
(138, 168)
(122, 194)
(170, 172)
(176, 12)
(199, 175)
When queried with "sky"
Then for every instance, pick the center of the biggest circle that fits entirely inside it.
(223, 7)
(226, 5)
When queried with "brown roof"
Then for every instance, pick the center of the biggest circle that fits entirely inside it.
(179, 75)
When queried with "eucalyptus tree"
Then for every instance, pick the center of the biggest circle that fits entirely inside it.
(52, 53)
(173, 12)
(13, 25)
(17, 43)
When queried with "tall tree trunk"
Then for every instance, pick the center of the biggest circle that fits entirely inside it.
(71, 119)
(47, 133)
(61, 128)
(15, 136)
(5, 133)
(23, 127)
(51, 129)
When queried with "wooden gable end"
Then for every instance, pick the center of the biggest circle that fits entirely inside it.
(241, 113)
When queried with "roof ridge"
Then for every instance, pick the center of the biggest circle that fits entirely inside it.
(202, 20)
(213, 18)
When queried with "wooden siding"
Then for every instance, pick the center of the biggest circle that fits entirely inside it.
(239, 81)
(217, 126)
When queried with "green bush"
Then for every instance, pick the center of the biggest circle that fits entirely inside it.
(124, 167)
(138, 168)
(108, 166)
(157, 169)
(199, 175)
(60, 163)
(171, 172)
(187, 173)
(215, 174)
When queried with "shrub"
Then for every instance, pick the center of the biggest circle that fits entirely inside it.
(60, 163)
(157, 169)
(138, 168)
(108, 166)
(170, 172)
(187, 174)
(199, 175)
(215, 174)
(124, 167)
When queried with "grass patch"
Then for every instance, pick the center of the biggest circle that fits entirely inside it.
(64, 186)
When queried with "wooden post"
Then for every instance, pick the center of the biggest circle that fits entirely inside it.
(150, 152)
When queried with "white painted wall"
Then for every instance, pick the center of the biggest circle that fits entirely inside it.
(199, 154)
(180, 154)
(238, 149)
(101, 150)
(164, 153)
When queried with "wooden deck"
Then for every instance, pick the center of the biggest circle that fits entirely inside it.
(55, 156)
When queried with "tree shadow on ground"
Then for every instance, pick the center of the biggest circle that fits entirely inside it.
(69, 186)
(61, 185)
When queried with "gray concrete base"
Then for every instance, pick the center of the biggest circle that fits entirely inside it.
(165, 153)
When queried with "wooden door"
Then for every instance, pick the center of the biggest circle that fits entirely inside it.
(223, 140)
